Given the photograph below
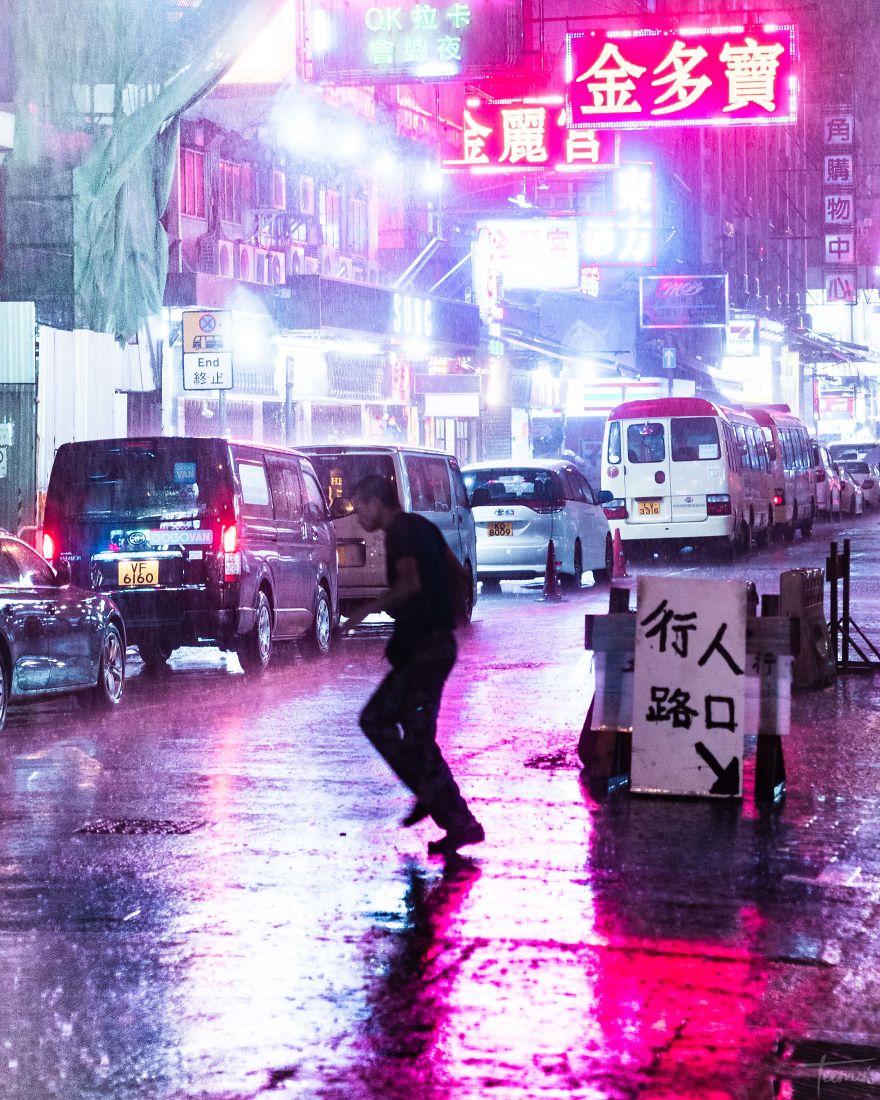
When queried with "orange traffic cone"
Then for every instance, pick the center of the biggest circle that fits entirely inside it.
(551, 580)
(618, 570)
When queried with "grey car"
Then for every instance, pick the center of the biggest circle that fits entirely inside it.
(55, 638)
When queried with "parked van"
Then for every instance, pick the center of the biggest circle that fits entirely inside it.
(428, 482)
(791, 460)
(683, 471)
(199, 542)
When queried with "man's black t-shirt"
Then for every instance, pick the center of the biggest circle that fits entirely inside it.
(431, 609)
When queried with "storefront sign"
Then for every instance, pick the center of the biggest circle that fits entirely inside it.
(360, 41)
(528, 135)
(534, 253)
(683, 301)
(840, 248)
(839, 205)
(840, 287)
(648, 78)
(741, 337)
(628, 237)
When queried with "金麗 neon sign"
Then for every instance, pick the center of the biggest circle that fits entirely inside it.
(638, 79)
(528, 135)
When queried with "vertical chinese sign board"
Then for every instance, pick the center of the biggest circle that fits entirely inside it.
(689, 690)
(207, 349)
(838, 206)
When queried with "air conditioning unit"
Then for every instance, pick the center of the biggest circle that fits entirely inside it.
(277, 269)
(311, 266)
(215, 257)
(244, 268)
(296, 260)
(261, 265)
(279, 189)
(226, 259)
(306, 195)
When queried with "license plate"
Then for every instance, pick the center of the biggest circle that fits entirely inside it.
(500, 529)
(133, 574)
(649, 507)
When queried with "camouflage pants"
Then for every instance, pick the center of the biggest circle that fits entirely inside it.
(400, 720)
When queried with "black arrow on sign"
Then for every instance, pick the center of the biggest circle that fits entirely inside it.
(726, 779)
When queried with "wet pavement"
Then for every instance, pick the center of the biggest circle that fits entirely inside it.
(209, 894)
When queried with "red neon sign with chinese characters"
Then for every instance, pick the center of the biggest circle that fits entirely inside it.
(527, 135)
(639, 79)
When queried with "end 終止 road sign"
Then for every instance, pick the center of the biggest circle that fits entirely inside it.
(207, 349)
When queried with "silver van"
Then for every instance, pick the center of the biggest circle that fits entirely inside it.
(428, 482)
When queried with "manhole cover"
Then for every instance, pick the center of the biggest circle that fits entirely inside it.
(134, 826)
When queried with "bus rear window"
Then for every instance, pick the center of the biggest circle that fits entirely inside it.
(694, 439)
(645, 442)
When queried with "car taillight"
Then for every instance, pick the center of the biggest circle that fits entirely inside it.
(869, 484)
(49, 548)
(231, 553)
(229, 539)
(779, 498)
(545, 507)
(820, 476)
(615, 509)
(718, 505)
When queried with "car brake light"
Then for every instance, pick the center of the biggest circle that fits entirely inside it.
(49, 548)
(820, 476)
(718, 505)
(545, 507)
(229, 539)
(615, 509)
(231, 554)
(779, 498)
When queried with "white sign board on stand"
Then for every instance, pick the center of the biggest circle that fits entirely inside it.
(689, 689)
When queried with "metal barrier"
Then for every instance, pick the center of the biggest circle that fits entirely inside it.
(802, 594)
(846, 636)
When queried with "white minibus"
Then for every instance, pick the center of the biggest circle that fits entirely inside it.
(682, 471)
(791, 460)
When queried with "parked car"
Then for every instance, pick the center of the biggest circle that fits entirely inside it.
(519, 507)
(55, 638)
(868, 478)
(428, 482)
(848, 452)
(852, 501)
(199, 542)
(827, 480)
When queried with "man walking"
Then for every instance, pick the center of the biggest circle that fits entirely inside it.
(401, 717)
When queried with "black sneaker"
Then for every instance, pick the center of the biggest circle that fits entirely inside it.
(448, 845)
(418, 813)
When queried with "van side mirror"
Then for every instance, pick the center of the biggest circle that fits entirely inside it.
(62, 574)
(605, 496)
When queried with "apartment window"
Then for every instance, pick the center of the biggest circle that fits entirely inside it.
(358, 234)
(230, 192)
(330, 222)
(192, 183)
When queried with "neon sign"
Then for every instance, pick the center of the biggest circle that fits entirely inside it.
(528, 135)
(628, 237)
(642, 79)
(360, 41)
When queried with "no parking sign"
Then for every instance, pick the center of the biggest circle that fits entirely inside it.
(689, 690)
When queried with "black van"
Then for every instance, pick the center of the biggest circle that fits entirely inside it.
(199, 541)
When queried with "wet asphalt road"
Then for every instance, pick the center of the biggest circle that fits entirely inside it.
(208, 895)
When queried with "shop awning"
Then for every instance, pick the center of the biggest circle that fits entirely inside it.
(816, 347)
